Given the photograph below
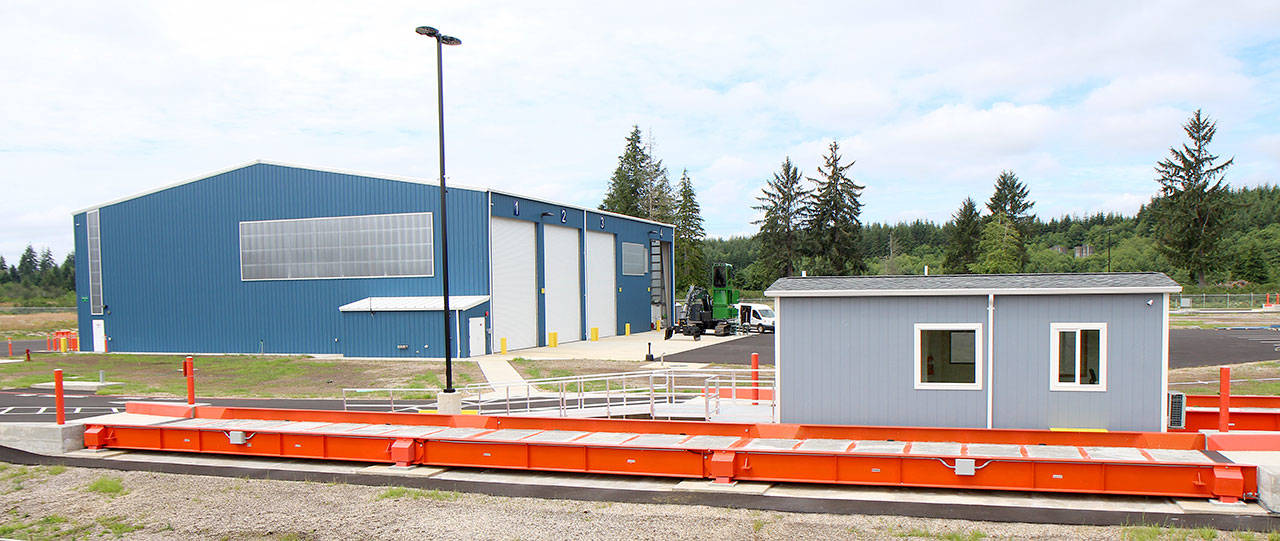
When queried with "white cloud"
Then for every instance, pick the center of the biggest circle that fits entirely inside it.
(1079, 99)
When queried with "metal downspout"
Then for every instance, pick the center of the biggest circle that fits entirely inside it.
(991, 355)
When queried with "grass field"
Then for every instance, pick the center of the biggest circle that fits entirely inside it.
(248, 376)
(1265, 376)
(35, 326)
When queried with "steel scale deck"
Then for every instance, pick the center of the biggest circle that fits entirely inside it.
(1162, 464)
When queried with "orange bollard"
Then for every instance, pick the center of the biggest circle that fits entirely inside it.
(10, 340)
(48, 343)
(1224, 399)
(189, 370)
(59, 404)
(755, 378)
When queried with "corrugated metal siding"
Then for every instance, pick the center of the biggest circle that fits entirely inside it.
(83, 318)
(378, 334)
(1134, 388)
(851, 361)
(633, 299)
(170, 259)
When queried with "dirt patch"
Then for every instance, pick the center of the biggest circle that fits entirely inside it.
(38, 325)
(238, 376)
(148, 505)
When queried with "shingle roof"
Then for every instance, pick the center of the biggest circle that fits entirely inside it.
(974, 284)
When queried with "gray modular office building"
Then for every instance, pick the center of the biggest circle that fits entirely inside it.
(1030, 351)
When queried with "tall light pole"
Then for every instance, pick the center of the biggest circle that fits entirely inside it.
(441, 41)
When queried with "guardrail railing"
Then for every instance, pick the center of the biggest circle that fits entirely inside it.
(649, 393)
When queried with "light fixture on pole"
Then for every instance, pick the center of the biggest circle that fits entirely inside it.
(441, 41)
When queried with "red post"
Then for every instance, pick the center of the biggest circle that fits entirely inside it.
(755, 378)
(1224, 399)
(59, 404)
(28, 354)
(189, 370)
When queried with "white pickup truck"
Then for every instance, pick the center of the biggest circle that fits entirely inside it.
(755, 317)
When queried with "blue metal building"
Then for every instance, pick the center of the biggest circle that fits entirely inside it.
(272, 258)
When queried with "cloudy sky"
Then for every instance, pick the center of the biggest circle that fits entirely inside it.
(104, 99)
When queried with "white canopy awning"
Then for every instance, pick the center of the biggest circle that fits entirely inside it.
(414, 304)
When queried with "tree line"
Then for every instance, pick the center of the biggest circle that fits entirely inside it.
(1196, 228)
(37, 276)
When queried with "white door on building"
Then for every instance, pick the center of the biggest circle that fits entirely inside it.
(602, 283)
(514, 303)
(99, 335)
(476, 336)
(563, 282)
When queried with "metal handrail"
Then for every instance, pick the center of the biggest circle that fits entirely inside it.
(663, 387)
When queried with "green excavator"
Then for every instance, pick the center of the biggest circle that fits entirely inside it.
(709, 312)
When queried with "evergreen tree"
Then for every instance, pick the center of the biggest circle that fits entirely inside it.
(68, 271)
(691, 264)
(1011, 198)
(1191, 213)
(4, 270)
(28, 266)
(626, 187)
(1251, 265)
(963, 234)
(657, 200)
(783, 203)
(999, 248)
(833, 228)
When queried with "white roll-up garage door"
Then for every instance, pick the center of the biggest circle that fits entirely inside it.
(564, 287)
(513, 255)
(602, 283)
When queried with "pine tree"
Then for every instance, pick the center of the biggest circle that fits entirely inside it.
(1011, 198)
(4, 270)
(999, 248)
(891, 261)
(963, 234)
(28, 266)
(657, 200)
(691, 263)
(1251, 265)
(68, 271)
(832, 226)
(783, 203)
(626, 187)
(1191, 213)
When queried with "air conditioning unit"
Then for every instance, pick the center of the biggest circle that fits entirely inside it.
(1177, 410)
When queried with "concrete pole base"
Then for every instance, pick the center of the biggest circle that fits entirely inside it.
(449, 403)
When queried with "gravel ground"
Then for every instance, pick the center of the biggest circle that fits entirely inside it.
(44, 502)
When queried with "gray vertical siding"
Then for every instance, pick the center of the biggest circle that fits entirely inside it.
(1134, 392)
(850, 360)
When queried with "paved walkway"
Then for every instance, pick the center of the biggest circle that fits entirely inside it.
(616, 348)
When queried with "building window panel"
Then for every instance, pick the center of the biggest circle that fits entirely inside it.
(633, 259)
(1078, 356)
(93, 231)
(386, 245)
(948, 356)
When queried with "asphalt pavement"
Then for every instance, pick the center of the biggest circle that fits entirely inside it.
(21, 346)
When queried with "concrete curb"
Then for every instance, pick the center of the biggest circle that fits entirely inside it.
(955, 511)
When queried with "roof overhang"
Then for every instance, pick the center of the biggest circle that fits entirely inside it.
(414, 304)
(973, 292)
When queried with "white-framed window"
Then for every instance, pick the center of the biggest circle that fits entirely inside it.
(948, 356)
(1077, 356)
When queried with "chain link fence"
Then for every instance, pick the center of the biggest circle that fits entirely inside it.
(1190, 301)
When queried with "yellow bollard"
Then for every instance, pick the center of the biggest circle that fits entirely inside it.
(628, 329)
(553, 339)
(595, 334)
(62, 344)
(504, 346)
(658, 325)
